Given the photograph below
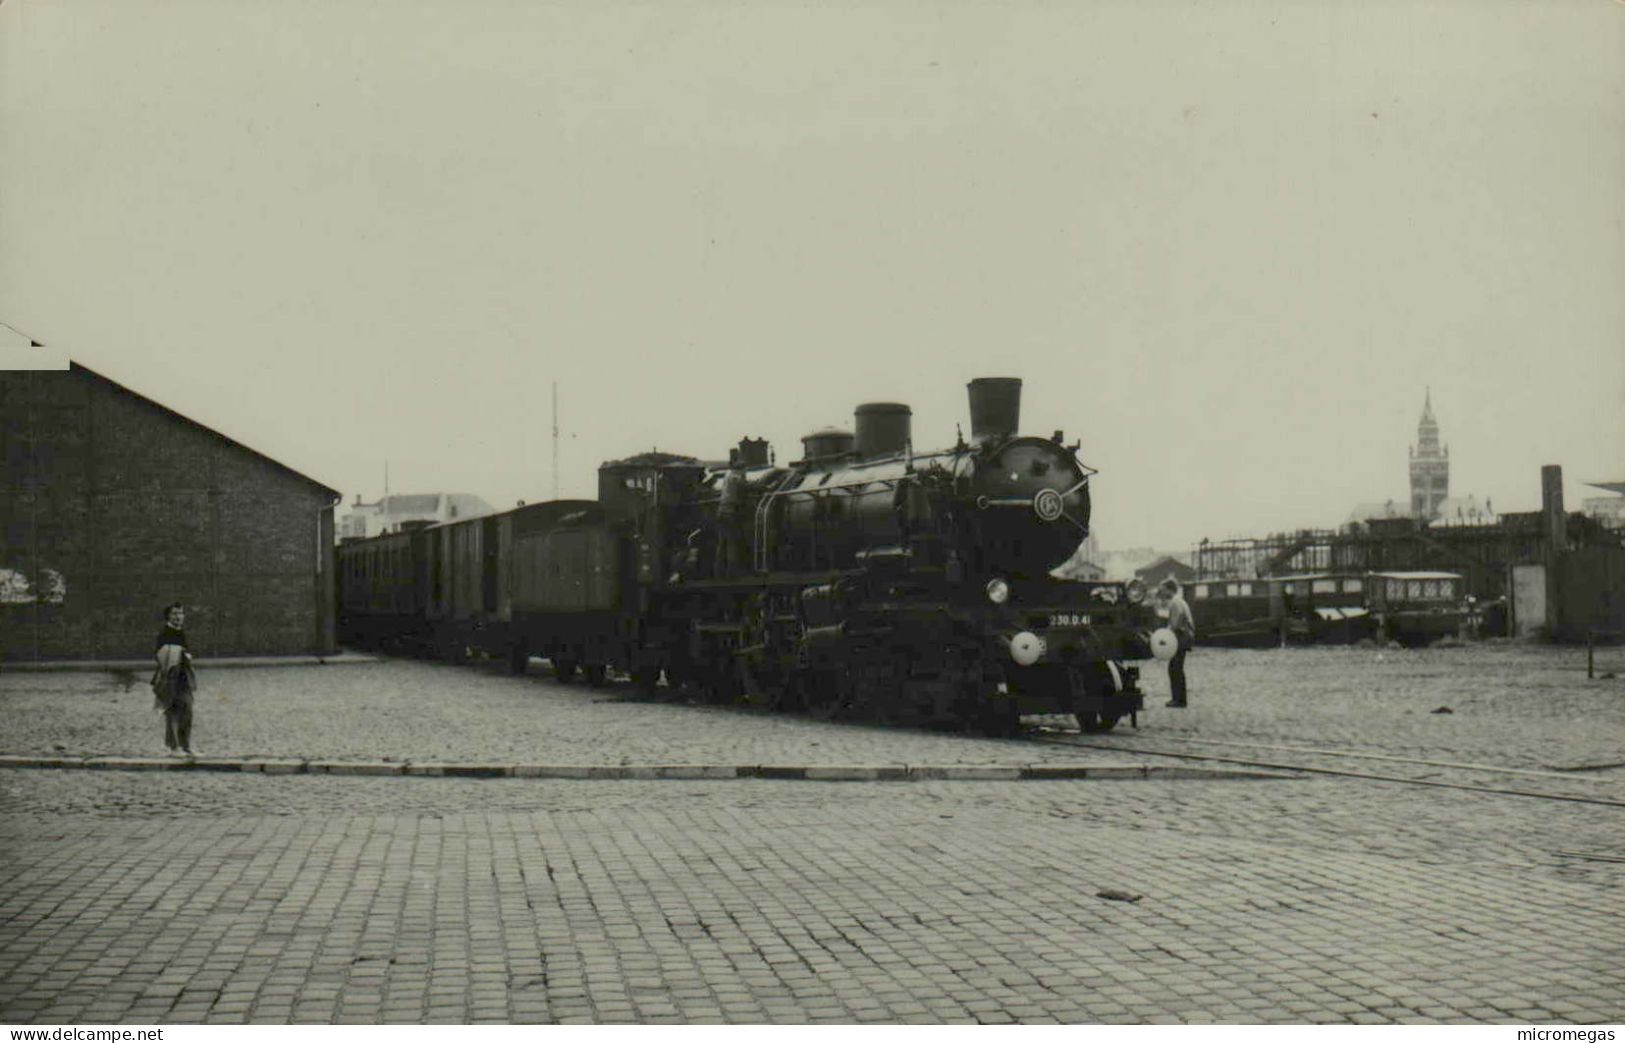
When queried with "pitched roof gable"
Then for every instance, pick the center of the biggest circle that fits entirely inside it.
(75, 367)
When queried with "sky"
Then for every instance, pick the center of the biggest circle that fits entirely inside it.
(1225, 246)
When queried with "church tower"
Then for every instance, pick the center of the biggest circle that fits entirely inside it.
(1430, 466)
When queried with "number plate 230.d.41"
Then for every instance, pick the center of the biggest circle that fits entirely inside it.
(1068, 619)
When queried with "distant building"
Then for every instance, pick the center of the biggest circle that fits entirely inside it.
(114, 505)
(361, 520)
(1430, 500)
(1464, 510)
(1430, 466)
(1085, 563)
(1610, 510)
(1162, 568)
(1080, 568)
(1378, 509)
(1120, 564)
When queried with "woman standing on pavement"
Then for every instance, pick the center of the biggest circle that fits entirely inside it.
(173, 682)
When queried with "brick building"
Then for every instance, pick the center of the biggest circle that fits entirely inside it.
(112, 505)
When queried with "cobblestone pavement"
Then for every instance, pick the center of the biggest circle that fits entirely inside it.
(229, 898)
(1498, 715)
(1519, 706)
(421, 711)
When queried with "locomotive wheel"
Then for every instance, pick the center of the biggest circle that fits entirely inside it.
(1092, 723)
(679, 676)
(1001, 718)
(823, 695)
(1093, 679)
(595, 674)
(721, 685)
(564, 669)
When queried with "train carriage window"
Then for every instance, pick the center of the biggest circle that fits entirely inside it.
(1413, 589)
(1352, 586)
(1201, 590)
(1324, 586)
(1246, 590)
(1231, 589)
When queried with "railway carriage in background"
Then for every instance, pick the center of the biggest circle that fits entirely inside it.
(1417, 608)
(1330, 608)
(865, 580)
(383, 590)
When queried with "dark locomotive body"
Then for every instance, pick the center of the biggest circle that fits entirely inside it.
(865, 580)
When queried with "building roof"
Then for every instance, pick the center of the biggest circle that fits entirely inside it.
(18, 352)
(1379, 509)
(86, 371)
(411, 503)
(1613, 487)
(14, 346)
(228, 440)
(1164, 561)
(1418, 575)
(1464, 508)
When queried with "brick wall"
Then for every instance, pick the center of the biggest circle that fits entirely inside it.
(111, 507)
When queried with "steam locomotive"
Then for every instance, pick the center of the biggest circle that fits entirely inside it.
(866, 580)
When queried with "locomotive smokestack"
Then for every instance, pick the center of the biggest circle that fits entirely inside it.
(995, 408)
(752, 452)
(882, 427)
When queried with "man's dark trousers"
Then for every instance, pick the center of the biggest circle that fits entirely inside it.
(1176, 672)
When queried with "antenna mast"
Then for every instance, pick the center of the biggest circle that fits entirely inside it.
(555, 440)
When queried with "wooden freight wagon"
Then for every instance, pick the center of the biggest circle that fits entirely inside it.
(567, 573)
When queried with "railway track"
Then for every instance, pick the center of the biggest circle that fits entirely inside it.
(1343, 763)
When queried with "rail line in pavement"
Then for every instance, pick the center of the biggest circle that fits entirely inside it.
(1081, 743)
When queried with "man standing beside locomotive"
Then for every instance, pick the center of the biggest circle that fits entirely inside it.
(1183, 625)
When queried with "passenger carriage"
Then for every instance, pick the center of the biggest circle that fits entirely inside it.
(1417, 608)
(1271, 611)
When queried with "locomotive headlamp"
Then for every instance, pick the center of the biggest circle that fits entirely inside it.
(1027, 648)
(998, 591)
